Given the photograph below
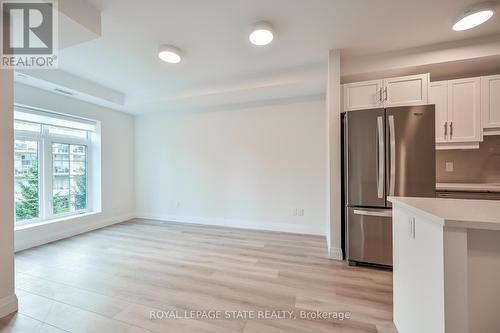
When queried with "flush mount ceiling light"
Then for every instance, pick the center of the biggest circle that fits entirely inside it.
(170, 54)
(262, 33)
(474, 16)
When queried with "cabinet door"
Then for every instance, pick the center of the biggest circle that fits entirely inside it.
(438, 95)
(406, 90)
(464, 110)
(362, 95)
(418, 273)
(490, 101)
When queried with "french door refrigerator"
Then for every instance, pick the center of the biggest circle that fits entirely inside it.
(387, 152)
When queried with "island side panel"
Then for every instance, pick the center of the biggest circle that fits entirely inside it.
(484, 280)
(418, 273)
(455, 281)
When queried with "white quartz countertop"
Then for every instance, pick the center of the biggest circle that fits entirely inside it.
(462, 213)
(468, 187)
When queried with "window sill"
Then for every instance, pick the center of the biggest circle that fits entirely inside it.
(57, 220)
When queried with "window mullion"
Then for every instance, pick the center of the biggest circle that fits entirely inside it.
(90, 174)
(47, 179)
(41, 178)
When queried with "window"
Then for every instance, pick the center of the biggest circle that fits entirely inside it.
(53, 169)
(69, 178)
(27, 181)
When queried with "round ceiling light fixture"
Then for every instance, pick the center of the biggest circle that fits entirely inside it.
(170, 54)
(262, 33)
(474, 16)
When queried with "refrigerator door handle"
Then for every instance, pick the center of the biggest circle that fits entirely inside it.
(380, 156)
(392, 142)
(373, 212)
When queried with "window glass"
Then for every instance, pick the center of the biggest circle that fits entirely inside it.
(26, 180)
(69, 193)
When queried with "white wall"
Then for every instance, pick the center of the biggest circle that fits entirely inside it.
(244, 168)
(8, 300)
(117, 166)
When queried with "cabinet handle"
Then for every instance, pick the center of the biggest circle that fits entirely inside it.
(385, 90)
(451, 130)
(411, 227)
(380, 95)
(445, 130)
(373, 212)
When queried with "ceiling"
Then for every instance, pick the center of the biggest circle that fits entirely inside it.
(221, 66)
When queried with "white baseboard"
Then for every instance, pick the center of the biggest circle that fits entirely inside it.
(335, 253)
(37, 236)
(387, 328)
(8, 305)
(241, 224)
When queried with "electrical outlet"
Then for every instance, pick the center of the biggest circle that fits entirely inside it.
(301, 212)
(449, 167)
(295, 212)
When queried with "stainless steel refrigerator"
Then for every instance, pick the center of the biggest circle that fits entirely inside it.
(387, 152)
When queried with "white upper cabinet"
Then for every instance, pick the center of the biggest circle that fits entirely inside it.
(490, 104)
(464, 110)
(397, 91)
(438, 95)
(406, 90)
(458, 113)
(363, 95)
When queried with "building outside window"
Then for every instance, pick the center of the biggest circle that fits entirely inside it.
(53, 165)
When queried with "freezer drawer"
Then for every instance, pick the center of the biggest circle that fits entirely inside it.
(370, 236)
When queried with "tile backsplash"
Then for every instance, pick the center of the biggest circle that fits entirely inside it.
(470, 166)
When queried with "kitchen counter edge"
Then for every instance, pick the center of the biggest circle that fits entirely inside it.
(458, 213)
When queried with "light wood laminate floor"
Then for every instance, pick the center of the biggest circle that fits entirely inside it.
(109, 280)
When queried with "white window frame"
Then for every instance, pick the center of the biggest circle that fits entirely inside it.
(45, 171)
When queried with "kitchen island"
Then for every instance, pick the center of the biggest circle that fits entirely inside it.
(446, 258)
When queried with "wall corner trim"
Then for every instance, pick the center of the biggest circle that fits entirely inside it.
(8, 305)
(335, 253)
